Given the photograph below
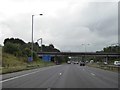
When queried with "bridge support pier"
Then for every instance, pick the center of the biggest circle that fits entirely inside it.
(106, 59)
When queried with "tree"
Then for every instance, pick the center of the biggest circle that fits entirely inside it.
(27, 52)
(12, 40)
(6, 40)
(19, 48)
(51, 46)
(12, 48)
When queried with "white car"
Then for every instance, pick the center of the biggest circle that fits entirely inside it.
(105, 63)
(117, 63)
(76, 62)
(68, 62)
(91, 61)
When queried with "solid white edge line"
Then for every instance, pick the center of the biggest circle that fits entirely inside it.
(18, 77)
(22, 75)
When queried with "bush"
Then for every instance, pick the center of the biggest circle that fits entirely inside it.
(12, 48)
(27, 52)
(35, 56)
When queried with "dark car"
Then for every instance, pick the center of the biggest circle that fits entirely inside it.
(82, 63)
(57, 63)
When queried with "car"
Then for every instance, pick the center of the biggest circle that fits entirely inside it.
(91, 61)
(68, 62)
(117, 63)
(105, 63)
(97, 62)
(57, 63)
(82, 63)
(86, 61)
(76, 62)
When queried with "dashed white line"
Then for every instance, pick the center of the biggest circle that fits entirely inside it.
(60, 74)
(93, 74)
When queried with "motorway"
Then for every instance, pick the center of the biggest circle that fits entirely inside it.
(62, 76)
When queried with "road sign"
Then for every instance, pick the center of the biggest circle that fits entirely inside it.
(30, 59)
(46, 58)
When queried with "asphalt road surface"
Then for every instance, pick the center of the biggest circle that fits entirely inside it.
(62, 76)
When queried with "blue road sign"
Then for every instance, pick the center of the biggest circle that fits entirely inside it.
(30, 59)
(46, 58)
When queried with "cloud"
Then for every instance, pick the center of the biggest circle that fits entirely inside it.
(66, 24)
(5, 32)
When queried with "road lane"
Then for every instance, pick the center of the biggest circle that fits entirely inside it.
(98, 78)
(32, 80)
(16, 74)
(66, 76)
(106, 76)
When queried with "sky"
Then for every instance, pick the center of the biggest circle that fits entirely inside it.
(70, 25)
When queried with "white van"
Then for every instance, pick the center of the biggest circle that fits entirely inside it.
(117, 63)
(91, 61)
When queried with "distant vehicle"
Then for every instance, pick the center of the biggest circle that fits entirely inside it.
(86, 61)
(68, 62)
(76, 62)
(97, 62)
(57, 63)
(91, 61)
(105, 63)
(117, 63)
(82, 63)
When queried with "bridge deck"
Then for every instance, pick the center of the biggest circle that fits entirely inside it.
(79, 54)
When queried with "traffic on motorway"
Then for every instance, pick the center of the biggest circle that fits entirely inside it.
(82, 63)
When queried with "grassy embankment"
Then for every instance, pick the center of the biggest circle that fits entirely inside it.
(105, 67)
(11, 64)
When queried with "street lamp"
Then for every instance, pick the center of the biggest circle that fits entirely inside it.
(32, 34)
(85, 50)
(41, 43)
(85, 46)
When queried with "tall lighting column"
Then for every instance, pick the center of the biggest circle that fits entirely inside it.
(85, 49)
(85, 46)
(32, 34)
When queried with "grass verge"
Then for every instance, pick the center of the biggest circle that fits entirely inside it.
(105, 67)
(14, 64)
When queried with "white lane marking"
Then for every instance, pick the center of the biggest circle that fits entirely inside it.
(21, 76)
(60, 74)
(18, 77)
(93, 74)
